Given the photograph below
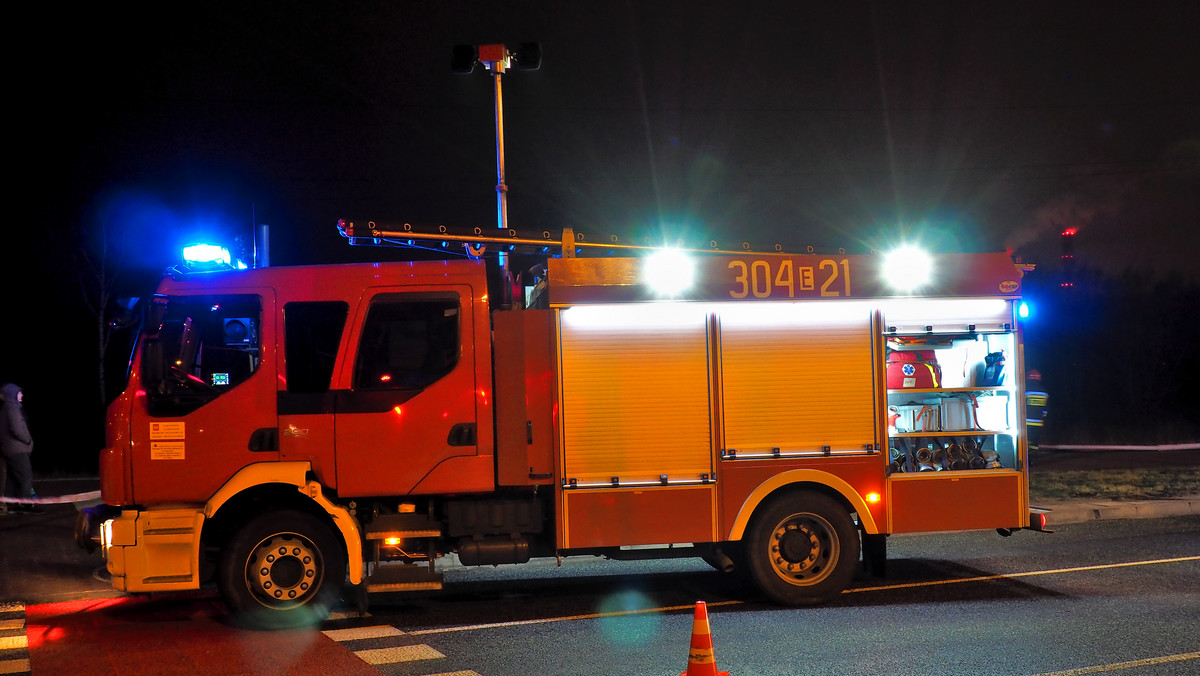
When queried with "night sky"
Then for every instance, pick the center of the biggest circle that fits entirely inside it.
(968, 126)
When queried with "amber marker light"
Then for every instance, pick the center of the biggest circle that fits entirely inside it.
(872, 497)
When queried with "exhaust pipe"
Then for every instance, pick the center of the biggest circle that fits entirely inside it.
(717, 559)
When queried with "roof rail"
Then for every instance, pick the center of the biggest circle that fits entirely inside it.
(567, 243)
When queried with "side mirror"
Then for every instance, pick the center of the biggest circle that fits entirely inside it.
(122, 319)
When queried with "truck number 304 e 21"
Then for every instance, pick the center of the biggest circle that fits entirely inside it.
(287, 432)
(786, 278)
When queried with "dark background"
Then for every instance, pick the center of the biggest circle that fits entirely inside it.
(964, 126)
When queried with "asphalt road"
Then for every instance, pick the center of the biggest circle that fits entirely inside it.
(1095, 595)
(964, 603)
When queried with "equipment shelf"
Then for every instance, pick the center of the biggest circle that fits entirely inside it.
(949, 390)
(948, 433)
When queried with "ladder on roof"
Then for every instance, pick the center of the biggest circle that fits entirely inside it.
(568, 243)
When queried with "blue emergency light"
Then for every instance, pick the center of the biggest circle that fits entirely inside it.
(206, 254)
(210, 257)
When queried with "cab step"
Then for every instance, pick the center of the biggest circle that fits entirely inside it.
(395, 577)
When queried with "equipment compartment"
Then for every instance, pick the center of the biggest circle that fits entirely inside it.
(968, 421)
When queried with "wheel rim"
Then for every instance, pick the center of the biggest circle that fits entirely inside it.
(284, 570)
(804, 549)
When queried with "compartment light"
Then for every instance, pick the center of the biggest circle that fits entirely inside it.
(796, 313)
(657, 316)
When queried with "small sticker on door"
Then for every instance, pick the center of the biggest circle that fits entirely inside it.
(167, 430)
(166, 450)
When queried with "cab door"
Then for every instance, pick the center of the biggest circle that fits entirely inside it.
(407, 409)
(206, 404)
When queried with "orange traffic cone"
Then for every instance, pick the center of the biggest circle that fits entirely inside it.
(700, 657)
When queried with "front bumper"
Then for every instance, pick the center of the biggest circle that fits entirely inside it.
(153, 550)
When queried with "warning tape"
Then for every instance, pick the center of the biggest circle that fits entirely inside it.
(1194, 446)
(55, 499)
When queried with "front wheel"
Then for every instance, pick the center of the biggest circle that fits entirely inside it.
(802, 549)
(282, 570)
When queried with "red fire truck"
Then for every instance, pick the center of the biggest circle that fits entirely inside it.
(288, 432)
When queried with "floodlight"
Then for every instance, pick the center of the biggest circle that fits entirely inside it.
(669, 272)
(907, 268)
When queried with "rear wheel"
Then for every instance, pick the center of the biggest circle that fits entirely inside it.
(802, 549)
(282, 570)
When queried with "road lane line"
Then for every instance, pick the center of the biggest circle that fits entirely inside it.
(397, 654)
(1149, 661)
(11, 624)
(566, 618)
(908, 585)
(1032, 573)
(357, 633)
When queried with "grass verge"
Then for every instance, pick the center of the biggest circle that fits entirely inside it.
(1115, 484)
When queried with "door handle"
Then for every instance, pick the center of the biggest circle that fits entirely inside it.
(462, 434)
(264, 440)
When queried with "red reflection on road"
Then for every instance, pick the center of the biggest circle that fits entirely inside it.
(132, 636)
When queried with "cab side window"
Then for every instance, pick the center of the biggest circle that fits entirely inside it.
(312, 333)
(407, 342)
(198, 348)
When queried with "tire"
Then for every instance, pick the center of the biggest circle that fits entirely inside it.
(282, 570)
(802, 549)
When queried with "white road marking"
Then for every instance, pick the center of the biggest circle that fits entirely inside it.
(381, 631)
(402, 653)
(14, 667)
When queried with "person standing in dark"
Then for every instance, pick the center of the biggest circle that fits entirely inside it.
(1036, 401)
(16, 444)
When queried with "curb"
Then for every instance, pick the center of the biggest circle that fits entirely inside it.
(1080, 511)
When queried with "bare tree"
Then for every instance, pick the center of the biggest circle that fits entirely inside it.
(97, 274)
